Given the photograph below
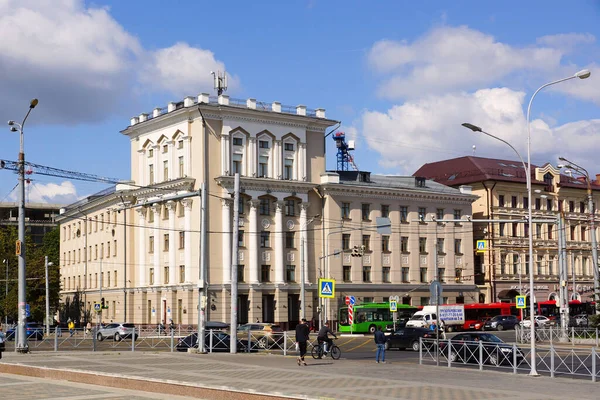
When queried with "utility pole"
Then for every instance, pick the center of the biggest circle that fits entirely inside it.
(47, 264)
(202, 292)
(234, 264)
(6, 296)
(563, 278)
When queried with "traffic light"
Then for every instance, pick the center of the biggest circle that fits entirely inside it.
(102, 302)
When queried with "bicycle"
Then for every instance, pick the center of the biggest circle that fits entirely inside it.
(318, 351)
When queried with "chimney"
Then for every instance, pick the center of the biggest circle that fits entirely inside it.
(188, 101)
(224, 100)
(251, 103)
(320, 112)
(156, 112)
(203, 98)
(276, 106)
(301, 110)
(143, 117)
(134, 120)
(171, 106)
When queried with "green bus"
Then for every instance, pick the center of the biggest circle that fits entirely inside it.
(369, 316)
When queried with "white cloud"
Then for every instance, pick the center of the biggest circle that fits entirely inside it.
(566, 41)
(429, 129)
(183, 70)
(82, 64)
(63, 193)
(455, 58)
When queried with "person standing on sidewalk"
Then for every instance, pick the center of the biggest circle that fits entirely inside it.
(3, 340)
(302, 336)
(380, 340)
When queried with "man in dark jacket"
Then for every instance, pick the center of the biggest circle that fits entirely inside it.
(302, 332)
(380, 340)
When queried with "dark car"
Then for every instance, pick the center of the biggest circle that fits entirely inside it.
(32, 330)
(408, 338)
(465, 349)
(220, 342)
(501, 322)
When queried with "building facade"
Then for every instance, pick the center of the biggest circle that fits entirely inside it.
(39, 218)
(137, 246)
(502, 270)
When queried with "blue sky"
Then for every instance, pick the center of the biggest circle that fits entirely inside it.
(401, 76)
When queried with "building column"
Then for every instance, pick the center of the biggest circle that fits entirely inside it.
(277, 170)
(225, 155)
(303, 236)
(141, 230)
(157, 269)
(253, 239)
(226, 239)
(171, 205)
(187, 205)
(301, 162)
(279, 235)
(252, 161)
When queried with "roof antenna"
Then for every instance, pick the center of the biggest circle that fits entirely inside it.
(220, 82)
(474, 148)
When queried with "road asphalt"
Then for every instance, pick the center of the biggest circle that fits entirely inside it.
(148, 375)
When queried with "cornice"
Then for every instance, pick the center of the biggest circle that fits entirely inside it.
(266, 185)
(386, 193)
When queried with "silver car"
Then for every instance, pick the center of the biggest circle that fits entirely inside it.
(116, 331)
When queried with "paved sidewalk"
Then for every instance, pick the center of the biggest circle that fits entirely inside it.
(256, 376)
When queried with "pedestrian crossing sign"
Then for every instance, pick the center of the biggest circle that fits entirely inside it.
(393, 306)
(327, 288)
(482, 246)
(521, 302)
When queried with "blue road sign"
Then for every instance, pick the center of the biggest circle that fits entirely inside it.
(327, 288)
(393, 306)
(97, 306)
(521, 302)
(27, 311)
(352, 300)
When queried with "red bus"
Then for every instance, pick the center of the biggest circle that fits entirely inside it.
(477, 313)
(550, 308)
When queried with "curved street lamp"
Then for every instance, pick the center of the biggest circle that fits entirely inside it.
(21, 339)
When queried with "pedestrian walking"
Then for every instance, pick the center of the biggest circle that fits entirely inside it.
(88, 328)
(71, 326)
(302, 336)
(380, 340)
(58, 328)
(2, 341)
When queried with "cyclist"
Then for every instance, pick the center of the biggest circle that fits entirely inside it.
(322, 337)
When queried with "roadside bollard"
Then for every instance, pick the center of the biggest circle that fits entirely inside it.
(481, 355)
(593, 364)
(551, 361)
(172, 339)
(514, 358)
(133, 340)
(249, 341)
(55, 340)
(285, 343)
(210, 342)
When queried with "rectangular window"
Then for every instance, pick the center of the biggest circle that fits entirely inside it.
(263, 167)
(550, 267)
(422, 213)
(345, 241)
(241, 277)
(583, 234)
(501, 200)
(101, 222)
(264, 207)
(525, 202)
(440, 246)
(366, 273)
(180, 210)
(515, 229)
(108, 279)
(385, 211)
(458, 246)
(290, 273)
(237, 164)
(181, 273)
(166, 275)
(166, 242)
(422, 245)
(385, 275)
(347, 275)
(439, 213)
(288, 169)
(181, 173)
(581, 207)
(95, 280)
(458, 278)
(150, 244)
(265, 243)
(366, 210)
(241, 238)
(501, 229)
(405, 278)
(238, 141)
(366, 242)
(527, 265)
(289, 146)
(150, 153)
(423, 275)
(457, 214)
(345, 210)
(502, 264)
(241, 203)
(538, 265)
(108, 249)
(116, 279)
(572, 232)
(290, 208)
(550, 227)
(526, 230)
(571, 206)
(151, 217)
(516, 265)
(404, 244)
(95, 252)
(182, 240)
(289, 240)
(265, 273)
(263, 144)
(385, 243)
(180, 144)
(151, 174)
(538, 231)
(403, 214)
(549, 204)
(151, 276)
(441, 274)
(101, 251)
(165, 148)
(513, 201)
(538, 204)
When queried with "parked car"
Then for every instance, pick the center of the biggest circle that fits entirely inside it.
(501, 322)
(116, 331)
(465, 348)
(266, 334)
(33, 330)
(408, 338)
(540, 320)
(220, 342)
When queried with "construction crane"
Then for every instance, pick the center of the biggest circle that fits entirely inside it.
(344, 158)
(31, 168)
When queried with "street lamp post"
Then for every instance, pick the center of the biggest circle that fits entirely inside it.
(47, 264)
(6, 295)
(21, 340)
(590, 198)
